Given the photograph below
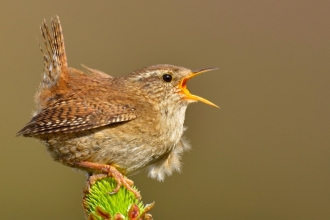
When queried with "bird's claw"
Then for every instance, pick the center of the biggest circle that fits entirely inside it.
(110, 171)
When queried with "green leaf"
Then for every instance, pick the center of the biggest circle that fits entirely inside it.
(101, 203)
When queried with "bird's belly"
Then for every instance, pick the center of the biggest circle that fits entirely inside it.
(131, 151)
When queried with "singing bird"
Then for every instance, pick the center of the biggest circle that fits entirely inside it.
(108, 125)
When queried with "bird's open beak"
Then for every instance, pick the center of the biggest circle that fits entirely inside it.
(183, 86)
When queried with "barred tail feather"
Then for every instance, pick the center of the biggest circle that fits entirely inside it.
(55, 60)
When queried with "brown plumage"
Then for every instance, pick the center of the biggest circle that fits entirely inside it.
(129, 122)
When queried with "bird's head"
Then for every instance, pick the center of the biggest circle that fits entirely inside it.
(167, 84)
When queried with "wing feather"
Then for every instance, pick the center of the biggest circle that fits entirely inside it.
(71, 116)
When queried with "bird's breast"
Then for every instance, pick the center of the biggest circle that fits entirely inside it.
(171, 125)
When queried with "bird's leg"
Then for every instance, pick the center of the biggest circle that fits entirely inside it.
(113, 172)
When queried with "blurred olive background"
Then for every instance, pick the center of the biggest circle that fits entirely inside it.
(264, 155)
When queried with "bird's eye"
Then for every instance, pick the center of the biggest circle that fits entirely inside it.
(167, 77)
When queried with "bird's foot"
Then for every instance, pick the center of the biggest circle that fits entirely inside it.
(110, 171)
(92, 180)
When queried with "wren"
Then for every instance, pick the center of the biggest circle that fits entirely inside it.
(108, 125)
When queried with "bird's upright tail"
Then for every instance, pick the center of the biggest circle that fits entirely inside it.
(55, 61)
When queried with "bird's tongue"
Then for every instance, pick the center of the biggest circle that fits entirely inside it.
(183, 86)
